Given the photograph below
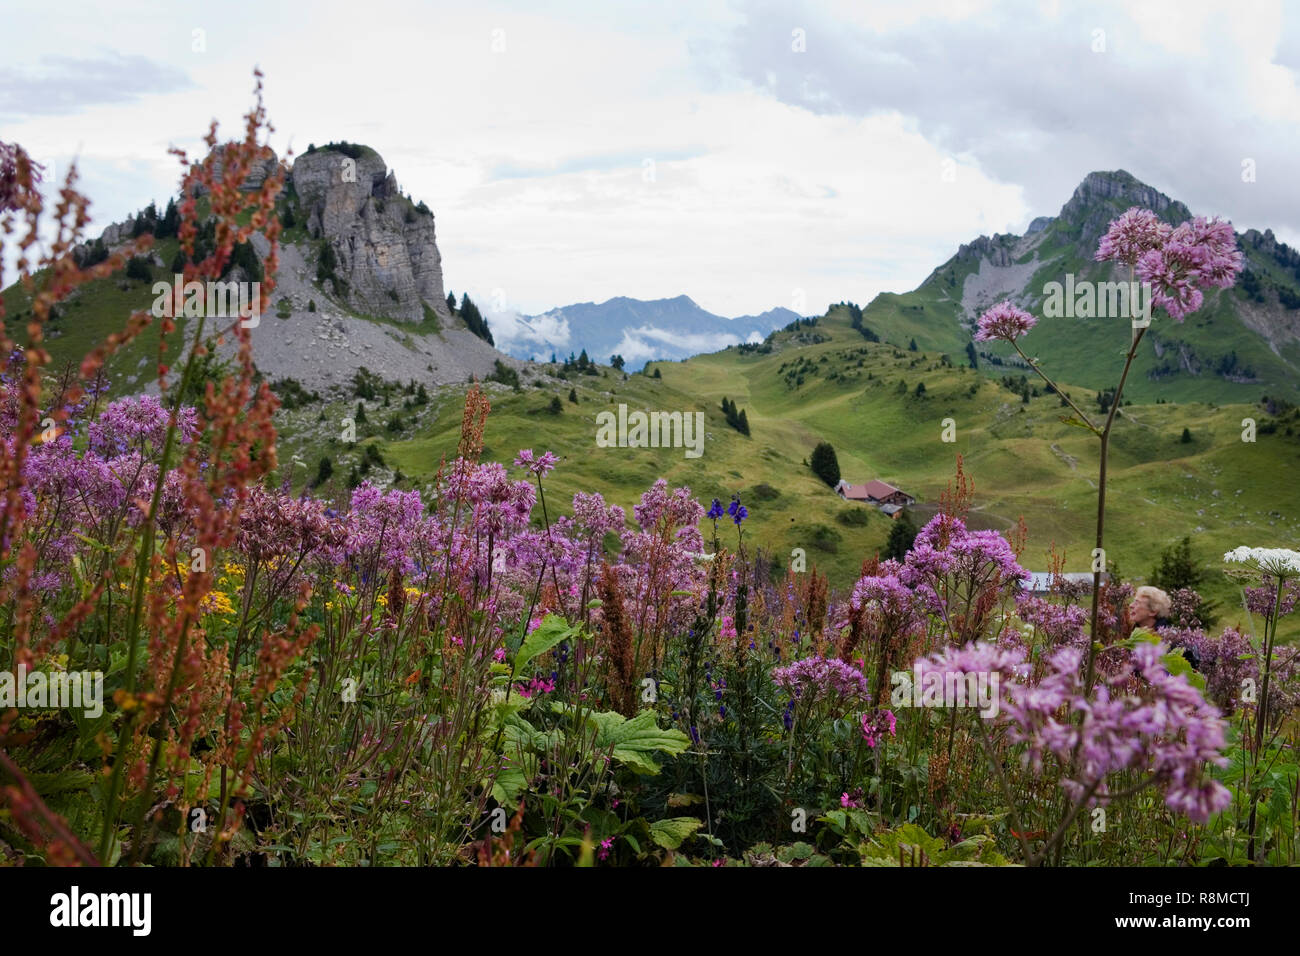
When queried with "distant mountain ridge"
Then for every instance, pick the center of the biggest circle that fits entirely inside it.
(639, 330)
(1243, 343)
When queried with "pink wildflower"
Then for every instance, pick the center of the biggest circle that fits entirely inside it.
(1004, 321)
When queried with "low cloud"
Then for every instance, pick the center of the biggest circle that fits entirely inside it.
(512, 330)
(647, 342)
(67, 84)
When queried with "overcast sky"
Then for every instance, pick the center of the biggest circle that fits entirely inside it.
(749, 155)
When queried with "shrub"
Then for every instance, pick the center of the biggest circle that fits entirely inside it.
(138, 268)
(857, 516)
(504, 374)
(825, 465)
(901, 536)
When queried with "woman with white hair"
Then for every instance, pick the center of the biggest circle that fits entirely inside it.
(1149, 608)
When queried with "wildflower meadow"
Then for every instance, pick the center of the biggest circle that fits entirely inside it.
(485, 676)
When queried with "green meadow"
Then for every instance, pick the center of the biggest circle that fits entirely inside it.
(827, 383)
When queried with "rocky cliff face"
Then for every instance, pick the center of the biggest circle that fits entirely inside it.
(387, 257)
(386, 265)
(256, 176)
(1000, 250)
(1092, 206)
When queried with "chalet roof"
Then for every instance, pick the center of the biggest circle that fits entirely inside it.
(1041, 581)
(856, 492)
(880, 489)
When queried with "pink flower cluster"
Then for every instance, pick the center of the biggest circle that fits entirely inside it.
(1004, 321)
(1142, 719)
(1131, 236)
(76, 495)
(950, 567)
(817, 679)
(11, 191)
(876, 726)
(1177, 261)
(477, 531)
(1058, 623)
(137, 424)
(534, 687)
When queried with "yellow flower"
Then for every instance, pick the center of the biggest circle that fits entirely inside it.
(219, 603)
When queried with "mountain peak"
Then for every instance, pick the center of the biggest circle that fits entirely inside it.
(1103, 196)
(1120, 189)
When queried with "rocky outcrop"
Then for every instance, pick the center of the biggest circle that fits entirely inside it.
(999, 250)
(263, 167)
(311, 339)
(387, 257)
(1104, 195)
(118, 232)
(1267, 243)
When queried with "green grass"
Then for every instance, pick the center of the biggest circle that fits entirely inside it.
(1085, 351)
(1018, 455)
(95, 311)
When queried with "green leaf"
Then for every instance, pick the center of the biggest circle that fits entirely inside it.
(1071, 420)
(1176, 664)
(1141, 634)
(550, 632)
(910, 840)
(513, 780)
(518, 741)
(684, 799)
(634, 740)
(505, 710)
(670, 833)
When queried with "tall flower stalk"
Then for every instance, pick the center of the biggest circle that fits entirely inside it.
(1173, 264)
(1277, 565)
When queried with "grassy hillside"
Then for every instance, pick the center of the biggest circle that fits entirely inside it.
(1240, 345)
(826, 381)
(1024, 460)
(90, 315)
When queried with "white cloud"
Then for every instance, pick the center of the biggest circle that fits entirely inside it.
(647, 342)
(510, 328)
(653, 149)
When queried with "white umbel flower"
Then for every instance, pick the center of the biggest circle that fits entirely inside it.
(1277, 562)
